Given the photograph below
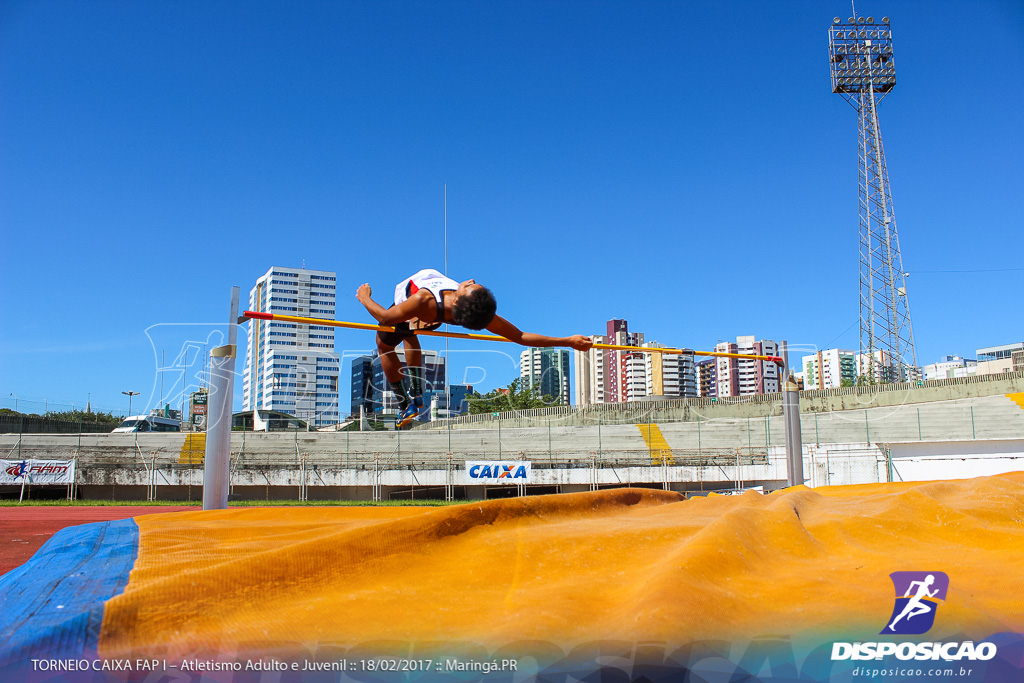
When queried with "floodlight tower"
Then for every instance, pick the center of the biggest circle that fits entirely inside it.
(863, 72)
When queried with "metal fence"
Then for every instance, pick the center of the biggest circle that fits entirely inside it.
(26, 424)
(382, 476)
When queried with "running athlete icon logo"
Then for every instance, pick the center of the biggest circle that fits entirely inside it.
(17, 469)
(917, 599)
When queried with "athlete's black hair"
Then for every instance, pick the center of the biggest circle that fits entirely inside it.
(475, 310)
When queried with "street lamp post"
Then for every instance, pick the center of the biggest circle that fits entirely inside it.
(129, 394)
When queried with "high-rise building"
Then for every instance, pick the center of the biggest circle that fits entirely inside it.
(548, 370)
(362, 384)
(384, 400)
(619, 375)
(707, 378)
(670, 374)
(757, 376)
(617, 363)
(830, 368)
(590, 374)
(727, 371)
(632, 376)
(438, 401)
(746, 376)
(292, 368)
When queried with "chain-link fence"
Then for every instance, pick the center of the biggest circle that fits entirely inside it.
(26, 424)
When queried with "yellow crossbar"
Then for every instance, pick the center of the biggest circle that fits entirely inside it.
(256, 315)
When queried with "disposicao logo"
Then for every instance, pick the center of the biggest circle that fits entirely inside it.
(918, 595)
(917, 599)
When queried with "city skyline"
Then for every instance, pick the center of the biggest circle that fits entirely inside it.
(562, 135)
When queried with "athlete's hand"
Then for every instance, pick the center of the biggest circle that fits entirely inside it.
(580, 343)
(363, 293)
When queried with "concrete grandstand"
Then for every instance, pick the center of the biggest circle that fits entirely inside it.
(932, 430)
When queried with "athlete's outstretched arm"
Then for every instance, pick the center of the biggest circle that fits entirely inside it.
(407, 310)
(509, 331)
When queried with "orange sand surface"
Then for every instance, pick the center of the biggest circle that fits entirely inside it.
(633, 564)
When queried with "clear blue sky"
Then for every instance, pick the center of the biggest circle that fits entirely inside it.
(682, 165)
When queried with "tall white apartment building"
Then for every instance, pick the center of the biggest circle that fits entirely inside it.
(291, 367)
(829, 369)
(727, 370)
(589, 374)
(670, 374)
(747, 376)
(548, 370)
(758, 376)
(633, 375)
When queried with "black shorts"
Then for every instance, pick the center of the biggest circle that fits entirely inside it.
(393, 339)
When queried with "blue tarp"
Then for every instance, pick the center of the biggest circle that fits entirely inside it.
(52, 606)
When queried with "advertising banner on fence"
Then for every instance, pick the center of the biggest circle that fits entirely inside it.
(498, 472)
(37, 471)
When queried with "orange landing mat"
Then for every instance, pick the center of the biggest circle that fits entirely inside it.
(631, 564)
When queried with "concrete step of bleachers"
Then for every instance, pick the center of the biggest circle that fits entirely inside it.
(193, 449)
(983, 417)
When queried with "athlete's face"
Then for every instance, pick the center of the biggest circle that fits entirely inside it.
(467, 287)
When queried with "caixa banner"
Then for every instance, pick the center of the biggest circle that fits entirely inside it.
(37, 471)
(498, 472)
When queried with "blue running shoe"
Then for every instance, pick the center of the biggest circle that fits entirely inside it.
(411, 412)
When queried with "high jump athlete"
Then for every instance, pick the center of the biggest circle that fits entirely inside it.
(425, 301)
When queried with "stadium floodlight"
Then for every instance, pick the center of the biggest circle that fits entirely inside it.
(859, 54)
(863, 72)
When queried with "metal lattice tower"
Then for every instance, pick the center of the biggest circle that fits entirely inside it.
(863, 72)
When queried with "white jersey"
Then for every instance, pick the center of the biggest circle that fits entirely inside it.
(428, 279)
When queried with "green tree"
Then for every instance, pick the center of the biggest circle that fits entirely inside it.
(516, 396)
(82, 416)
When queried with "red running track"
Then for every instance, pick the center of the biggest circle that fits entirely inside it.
(23, 530)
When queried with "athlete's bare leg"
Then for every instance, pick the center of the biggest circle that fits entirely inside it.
(389, 362)
(413, 352)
